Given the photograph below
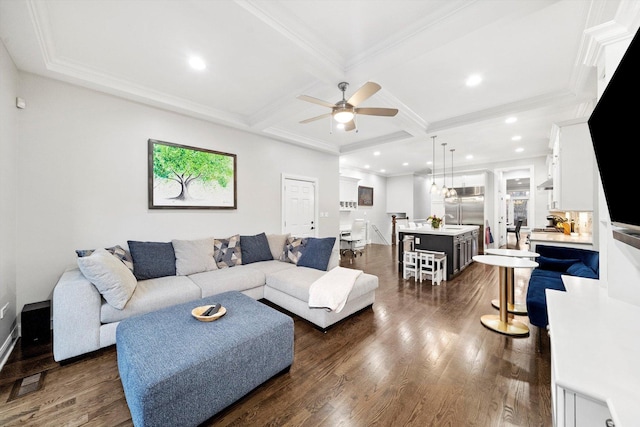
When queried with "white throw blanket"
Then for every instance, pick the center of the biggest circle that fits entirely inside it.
(332, 290)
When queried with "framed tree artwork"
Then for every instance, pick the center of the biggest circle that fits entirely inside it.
(365, 196)
(182, 177)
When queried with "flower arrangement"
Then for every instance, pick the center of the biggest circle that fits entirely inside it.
(434, 221)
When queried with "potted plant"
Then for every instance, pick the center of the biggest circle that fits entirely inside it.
(434, 221)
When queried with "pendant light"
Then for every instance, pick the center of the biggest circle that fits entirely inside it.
(444, 190)
(452, 191)
(434, 187)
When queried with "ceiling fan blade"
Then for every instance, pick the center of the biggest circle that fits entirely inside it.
(366, 91)
(313, 119)
(349, 126)
(389, 112)
(316, 101)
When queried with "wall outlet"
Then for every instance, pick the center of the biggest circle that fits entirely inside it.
(3, 310)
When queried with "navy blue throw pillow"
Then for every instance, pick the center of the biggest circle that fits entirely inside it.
(581, 270)
(152, 259)
(316, 253)
(255, 248)
(555, 264)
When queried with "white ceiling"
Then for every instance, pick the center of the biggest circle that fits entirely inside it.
(262, 54)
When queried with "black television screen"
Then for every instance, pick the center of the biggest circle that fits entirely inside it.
(615, 133)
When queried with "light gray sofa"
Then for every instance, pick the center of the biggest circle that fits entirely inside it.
(83, 321)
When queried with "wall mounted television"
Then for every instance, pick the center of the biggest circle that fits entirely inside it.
(614, 125)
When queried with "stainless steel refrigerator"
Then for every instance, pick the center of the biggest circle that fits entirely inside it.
(467, 209)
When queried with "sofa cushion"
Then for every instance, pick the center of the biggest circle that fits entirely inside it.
(255, 248)
(555, 264)
(293, 249)
(239, 278)
(537, 299)
(115, 282)
(151, 295)
(276, 244)
(316, 253)
(581, 270)
(297, 281)
(152, 259)
(117, 251)
(268, 267)
(194, 256)
(227, 252)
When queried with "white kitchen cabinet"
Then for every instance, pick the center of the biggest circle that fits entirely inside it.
(573, 175)
(576, 410)
(348, 193)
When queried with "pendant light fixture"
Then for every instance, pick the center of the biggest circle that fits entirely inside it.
(434, 187)
(452, 191)
(444, 190)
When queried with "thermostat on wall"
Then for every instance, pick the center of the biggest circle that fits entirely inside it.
(20, 103)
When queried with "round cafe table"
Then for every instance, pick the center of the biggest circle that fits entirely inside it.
(502, 323)
(512, 306)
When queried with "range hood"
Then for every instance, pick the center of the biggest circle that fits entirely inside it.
(547, 185)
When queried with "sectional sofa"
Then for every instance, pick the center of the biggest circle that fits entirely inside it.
(113, 284)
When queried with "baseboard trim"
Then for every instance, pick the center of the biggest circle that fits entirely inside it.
(8, 345)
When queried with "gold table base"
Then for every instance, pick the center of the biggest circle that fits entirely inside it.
(511, 327)
(517, 308)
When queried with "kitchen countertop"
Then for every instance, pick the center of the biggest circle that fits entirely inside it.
(594, 347)
(447, 230)
(585, 239)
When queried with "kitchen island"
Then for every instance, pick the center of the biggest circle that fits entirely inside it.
(459, 242)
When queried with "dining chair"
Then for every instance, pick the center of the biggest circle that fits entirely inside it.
(515, 230)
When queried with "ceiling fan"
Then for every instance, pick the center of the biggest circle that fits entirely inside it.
(345, 110)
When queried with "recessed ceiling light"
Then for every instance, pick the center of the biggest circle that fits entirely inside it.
(469, 156)
(405, 164)
(367, 166)
(382, 170)
(511, 120)
(376, 153)
(430, 162)
(197, 63)
(473, 80)
(516, 138)
(519, 150)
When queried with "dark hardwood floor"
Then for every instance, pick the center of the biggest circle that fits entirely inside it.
(419, 357)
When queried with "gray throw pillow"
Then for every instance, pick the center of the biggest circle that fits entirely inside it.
(114, 281)
(194, 256)
(255, 248)
(152, 259)
(276, 244)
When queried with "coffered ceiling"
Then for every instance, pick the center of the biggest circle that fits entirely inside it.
(261, 55)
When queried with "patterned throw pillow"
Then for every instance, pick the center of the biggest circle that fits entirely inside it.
(227, 252)
(117, 251)
(293, 249)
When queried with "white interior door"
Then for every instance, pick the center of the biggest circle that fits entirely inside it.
(299, 207)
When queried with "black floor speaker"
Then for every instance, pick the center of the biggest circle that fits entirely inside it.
(36, 319)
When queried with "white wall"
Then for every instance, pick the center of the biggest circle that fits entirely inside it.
(400, 194)
(8, 181)
(376, 214)
(82, 167)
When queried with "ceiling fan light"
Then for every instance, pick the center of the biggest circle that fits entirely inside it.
(343, 116)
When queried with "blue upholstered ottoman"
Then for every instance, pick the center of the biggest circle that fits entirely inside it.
(179, 371)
